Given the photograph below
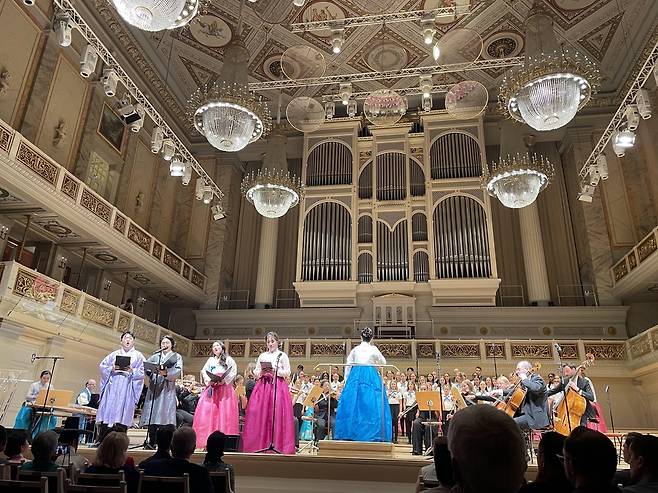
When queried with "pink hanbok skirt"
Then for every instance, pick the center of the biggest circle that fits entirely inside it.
(217, 409)
(600, 426)
(257, 430)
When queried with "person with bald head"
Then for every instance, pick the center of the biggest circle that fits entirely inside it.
(533, 414)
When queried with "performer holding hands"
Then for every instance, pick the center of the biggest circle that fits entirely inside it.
(122, 380)
(259, 430)
(217, 409)
(160, 403)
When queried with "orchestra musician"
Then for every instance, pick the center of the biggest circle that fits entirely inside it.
(420, 432)
(534, 410)
(187, 397)
(572, 379)
(321, 415)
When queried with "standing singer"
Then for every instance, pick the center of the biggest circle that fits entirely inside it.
(259, 430)
(160, 403)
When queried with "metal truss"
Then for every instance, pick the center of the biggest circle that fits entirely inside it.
(618, 117)
(104, 54)
(482, 64)
(376, 19)
(405, 91)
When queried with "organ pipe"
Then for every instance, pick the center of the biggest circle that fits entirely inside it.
(365, 182)
(421, 266)
(330, 163)
(392, 252)
(455, 155)
(391, 176)
(327, 245)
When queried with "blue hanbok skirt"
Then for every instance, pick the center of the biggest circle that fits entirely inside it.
(42, 423)
(363, 413)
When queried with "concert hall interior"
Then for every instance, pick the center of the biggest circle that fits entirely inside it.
(472, 182)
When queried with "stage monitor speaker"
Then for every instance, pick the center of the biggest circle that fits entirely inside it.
(232, 443)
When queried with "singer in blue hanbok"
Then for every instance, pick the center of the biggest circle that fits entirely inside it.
(363, 411)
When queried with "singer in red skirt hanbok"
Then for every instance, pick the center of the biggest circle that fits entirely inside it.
(269, 419)
(217, 409)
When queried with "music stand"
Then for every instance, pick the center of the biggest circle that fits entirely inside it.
(430, 400)
(312, 397)
(55, 398)
(458, 399)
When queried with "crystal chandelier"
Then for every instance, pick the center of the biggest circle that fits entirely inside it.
(227, 113)
(517, 180)
(157, 15)
(547, 92)
(384, 107)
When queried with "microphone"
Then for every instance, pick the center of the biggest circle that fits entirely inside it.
(438, 356)
(607, 387)
(558, 348)
(34, 356)
(158, 351)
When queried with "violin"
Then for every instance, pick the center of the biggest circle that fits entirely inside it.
(517, 396)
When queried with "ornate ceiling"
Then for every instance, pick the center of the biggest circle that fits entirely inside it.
(174, 63)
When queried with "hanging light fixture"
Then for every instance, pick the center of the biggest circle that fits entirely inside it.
(227, 113)
(384, 107)
(547, 92)
(517, 180)
(157, 15)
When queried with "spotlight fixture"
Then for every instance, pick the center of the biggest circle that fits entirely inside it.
(632, 116)
(137, 124)
(298, 3)
(426, 85)
(427, 102)
(88, 61)
(586, 192)
(643, 104)
(622, 140)
(63, 27)
(127, 110)
(4, 232)
(63, 262)
(351, 109)
(157, 138)
(594, 176)
(187, 175)
(337, 39)
(176, 167)
(168, 149)
(329, 110)
(199, 187)
(602, 166)
(110, 81)
(655, 73)
(217, 212)
(345, 92)
(107, 285)
(429, 28)
(207, 194)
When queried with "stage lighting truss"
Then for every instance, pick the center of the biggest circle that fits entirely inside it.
(65, 7)
(406, 91)
(619, 117)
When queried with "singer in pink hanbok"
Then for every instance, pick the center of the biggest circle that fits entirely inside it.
(260, 431)
(217, 409)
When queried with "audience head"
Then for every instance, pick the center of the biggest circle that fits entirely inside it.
(183, 443)
(16, 443)
(69, 437)
(590, 458)
(44, 446)
(643, 458)
(549, 453)
(486, 443)
(112, 451)
(443, 462)
(627, 443)
(3, 438)
(215, 445)
(163, 437)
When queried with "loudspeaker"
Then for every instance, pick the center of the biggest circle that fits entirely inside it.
(232, 443)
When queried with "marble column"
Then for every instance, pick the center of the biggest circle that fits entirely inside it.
(534, 260)
(269, 231)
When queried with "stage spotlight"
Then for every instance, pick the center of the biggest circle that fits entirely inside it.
(426, 85)
(345, 92)
(436, 52)
(298, 3)
(168, 149)
(199, 187)
(427, 103)
(63, 27)
(176, 167)
(137, 123)
(217, 212)
(329, 110)
(586, 193)
(429, 28)
(602, 166)
(110, 81)
(88, 61)
(187, 175)
(337, 39)
(207, 194)
(643, 104)
(632, 117)
(351, 109)
(622, 140)
(594, 176)
(157, 137)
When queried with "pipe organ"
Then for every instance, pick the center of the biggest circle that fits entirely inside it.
(393, 211)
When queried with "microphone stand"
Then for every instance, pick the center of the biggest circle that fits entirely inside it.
(493, 353)
(52, 375)
(271, 447)
(612, 421)
(558, 349)
(154, 382)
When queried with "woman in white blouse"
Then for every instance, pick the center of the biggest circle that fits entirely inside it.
(270, 400)
(218, 404)
(25, 414)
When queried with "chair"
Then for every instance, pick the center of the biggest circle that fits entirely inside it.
(163, 484)
(55, 479)
(221, 481)
(80, 488)
(426, 484)
(5, 471)
(93, 479)
(14, 486)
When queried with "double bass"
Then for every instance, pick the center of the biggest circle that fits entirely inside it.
(516, 397)
(571, 408)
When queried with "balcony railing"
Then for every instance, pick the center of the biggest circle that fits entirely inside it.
(641, 252)
(32, 162)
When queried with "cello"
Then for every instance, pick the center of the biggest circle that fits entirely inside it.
(571, 408)
(516, 397)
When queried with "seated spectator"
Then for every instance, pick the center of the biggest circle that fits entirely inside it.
(112, 457)
(70, 439)
(44, 451)
(214, 453)
(643, 459)
(590, 461)
(550, 470)
(623, 476)
(16, 446)
(183, 444)
(440, 470)
(163, 438)
(488, 451)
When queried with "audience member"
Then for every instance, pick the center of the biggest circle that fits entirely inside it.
(488, 451)
(214, 453)
(16, 446)
(440, 471)
(623, 476)
(590, 461)
(182, 448)
(551, 477)
(44, 451)
(112, 457)
(643, 459)
(163, 439)
(70, 440)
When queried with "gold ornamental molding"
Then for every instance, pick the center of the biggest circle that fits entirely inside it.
(172, 261)
(460, 350)
(640, 346)
(36, 163)
(329, 349)
(145, 332)
(70, 301)
(569, 351)
(201, 349)
(425, 350)
(70, 186)
(531, 351)
(237, 349)
(496, 349)
(139, 237)
(124, 322)
(6, 138)
(255, 348)
(607, 351)
(35, 287)
(620, 270)
(157, 250)
(100, 314)
(197, 279)
(186, 271)
(95, 205)
(119, 223)
(297, 349)
(647, 247)
(395, 350)
(632, 260)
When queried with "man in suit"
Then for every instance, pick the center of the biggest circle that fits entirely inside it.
(321, 411)
(534, 409)
(182, 448)
(571, 379)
